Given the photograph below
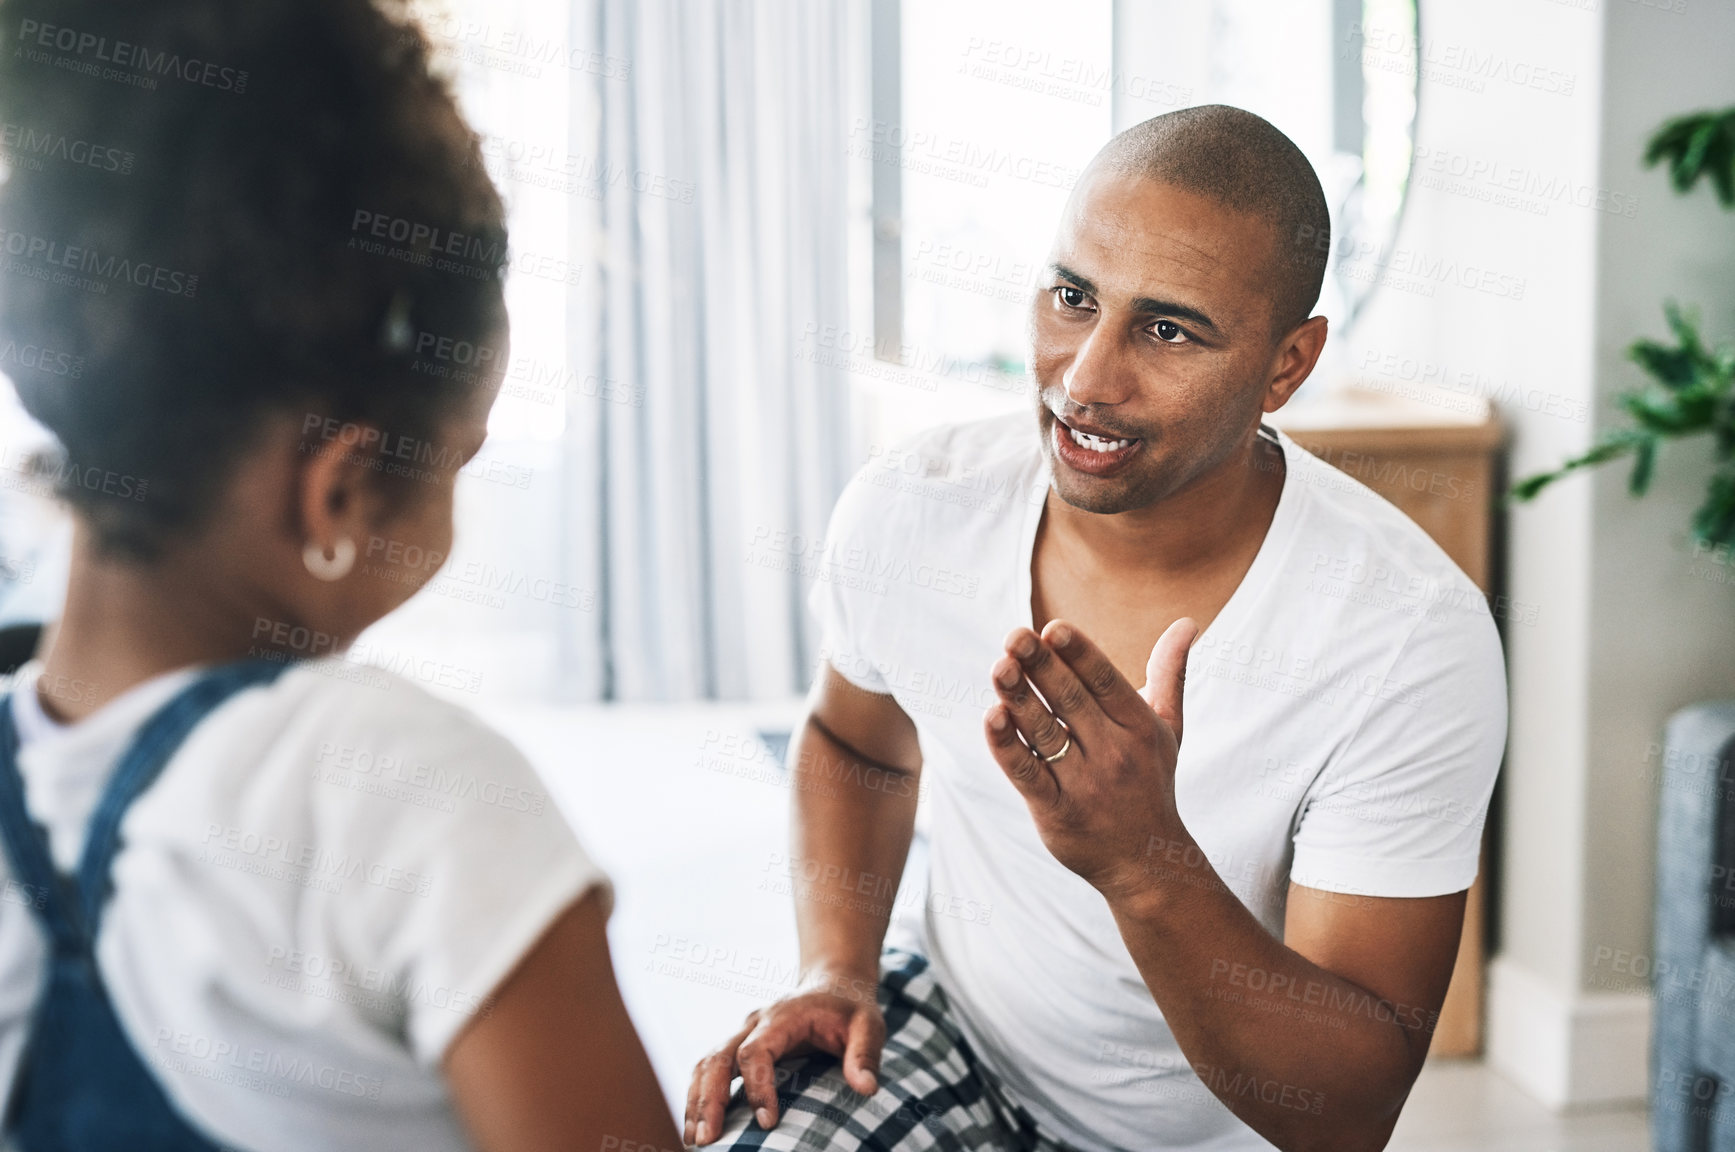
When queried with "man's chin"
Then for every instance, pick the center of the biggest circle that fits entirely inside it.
(1089, 494)
(1104, 495)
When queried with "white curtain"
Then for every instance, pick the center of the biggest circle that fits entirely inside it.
(697, 483)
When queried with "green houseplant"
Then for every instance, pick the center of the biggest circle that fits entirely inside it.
(1691, 391)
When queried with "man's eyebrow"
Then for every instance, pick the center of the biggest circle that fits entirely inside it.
(1145, 304)
(1179, 311)
(1068, 274)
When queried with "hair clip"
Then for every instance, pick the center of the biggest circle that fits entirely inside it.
(396, 335)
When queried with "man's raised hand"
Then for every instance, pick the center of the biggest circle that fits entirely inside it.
(1092, 756)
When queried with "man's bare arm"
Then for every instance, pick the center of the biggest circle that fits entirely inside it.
(855, 768)
(1314, 1042)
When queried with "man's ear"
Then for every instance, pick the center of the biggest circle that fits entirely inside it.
(1297, 353)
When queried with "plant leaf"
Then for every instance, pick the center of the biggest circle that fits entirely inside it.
(1644, 463)
(1714, 522)
(1615, 445)
(1701, 144)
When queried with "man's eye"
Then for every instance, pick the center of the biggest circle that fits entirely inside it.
(1169, 332)
(1071, 297)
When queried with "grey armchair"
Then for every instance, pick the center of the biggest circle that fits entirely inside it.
(1693, 974)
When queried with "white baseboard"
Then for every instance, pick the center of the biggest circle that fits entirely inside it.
(1567, 1050)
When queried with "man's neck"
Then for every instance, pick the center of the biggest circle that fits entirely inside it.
(1214, 520)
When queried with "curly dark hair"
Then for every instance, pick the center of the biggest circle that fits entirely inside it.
(219, 210)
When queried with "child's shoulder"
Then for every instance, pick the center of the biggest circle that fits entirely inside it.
(408, 700)
(334, 736)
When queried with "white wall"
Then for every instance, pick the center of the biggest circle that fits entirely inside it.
(1480, 133)
(1662, 621)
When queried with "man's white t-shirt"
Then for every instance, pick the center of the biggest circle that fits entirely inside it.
(1345, 719)
(327, 882)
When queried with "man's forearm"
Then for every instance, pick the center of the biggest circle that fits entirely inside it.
(1303, 1056)
(853, 821)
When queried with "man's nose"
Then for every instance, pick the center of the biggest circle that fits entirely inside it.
(1098, 373)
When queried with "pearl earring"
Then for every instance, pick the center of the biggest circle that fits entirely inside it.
(333, 567)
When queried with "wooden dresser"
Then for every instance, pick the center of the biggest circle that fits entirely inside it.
(1438, 464)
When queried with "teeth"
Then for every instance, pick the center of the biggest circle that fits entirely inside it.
(1096, 443)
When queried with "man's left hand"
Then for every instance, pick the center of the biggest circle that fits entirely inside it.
(1096, 763)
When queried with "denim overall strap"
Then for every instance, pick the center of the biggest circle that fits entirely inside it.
(161, 735)
(81, 1085)
(42, 888)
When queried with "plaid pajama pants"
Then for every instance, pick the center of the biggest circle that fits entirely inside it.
(933, 1094)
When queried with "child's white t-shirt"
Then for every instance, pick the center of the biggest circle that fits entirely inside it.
(1345, 715)
(323, 887)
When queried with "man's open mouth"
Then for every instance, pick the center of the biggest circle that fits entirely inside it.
(1098, 452)
(1096, 443)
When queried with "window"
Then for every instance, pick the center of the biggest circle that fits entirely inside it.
(984, 113)
(997, 107)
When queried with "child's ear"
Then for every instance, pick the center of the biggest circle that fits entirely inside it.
(334, 493)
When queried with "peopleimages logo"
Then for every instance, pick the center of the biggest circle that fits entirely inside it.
(31, 251)
(14, 355)
(28, 147)
(35, 39)
(428, 237)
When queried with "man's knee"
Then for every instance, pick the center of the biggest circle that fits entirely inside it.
(811, 1093)
(819, 1074)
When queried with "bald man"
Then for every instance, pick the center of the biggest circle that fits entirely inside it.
(1132, 941)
